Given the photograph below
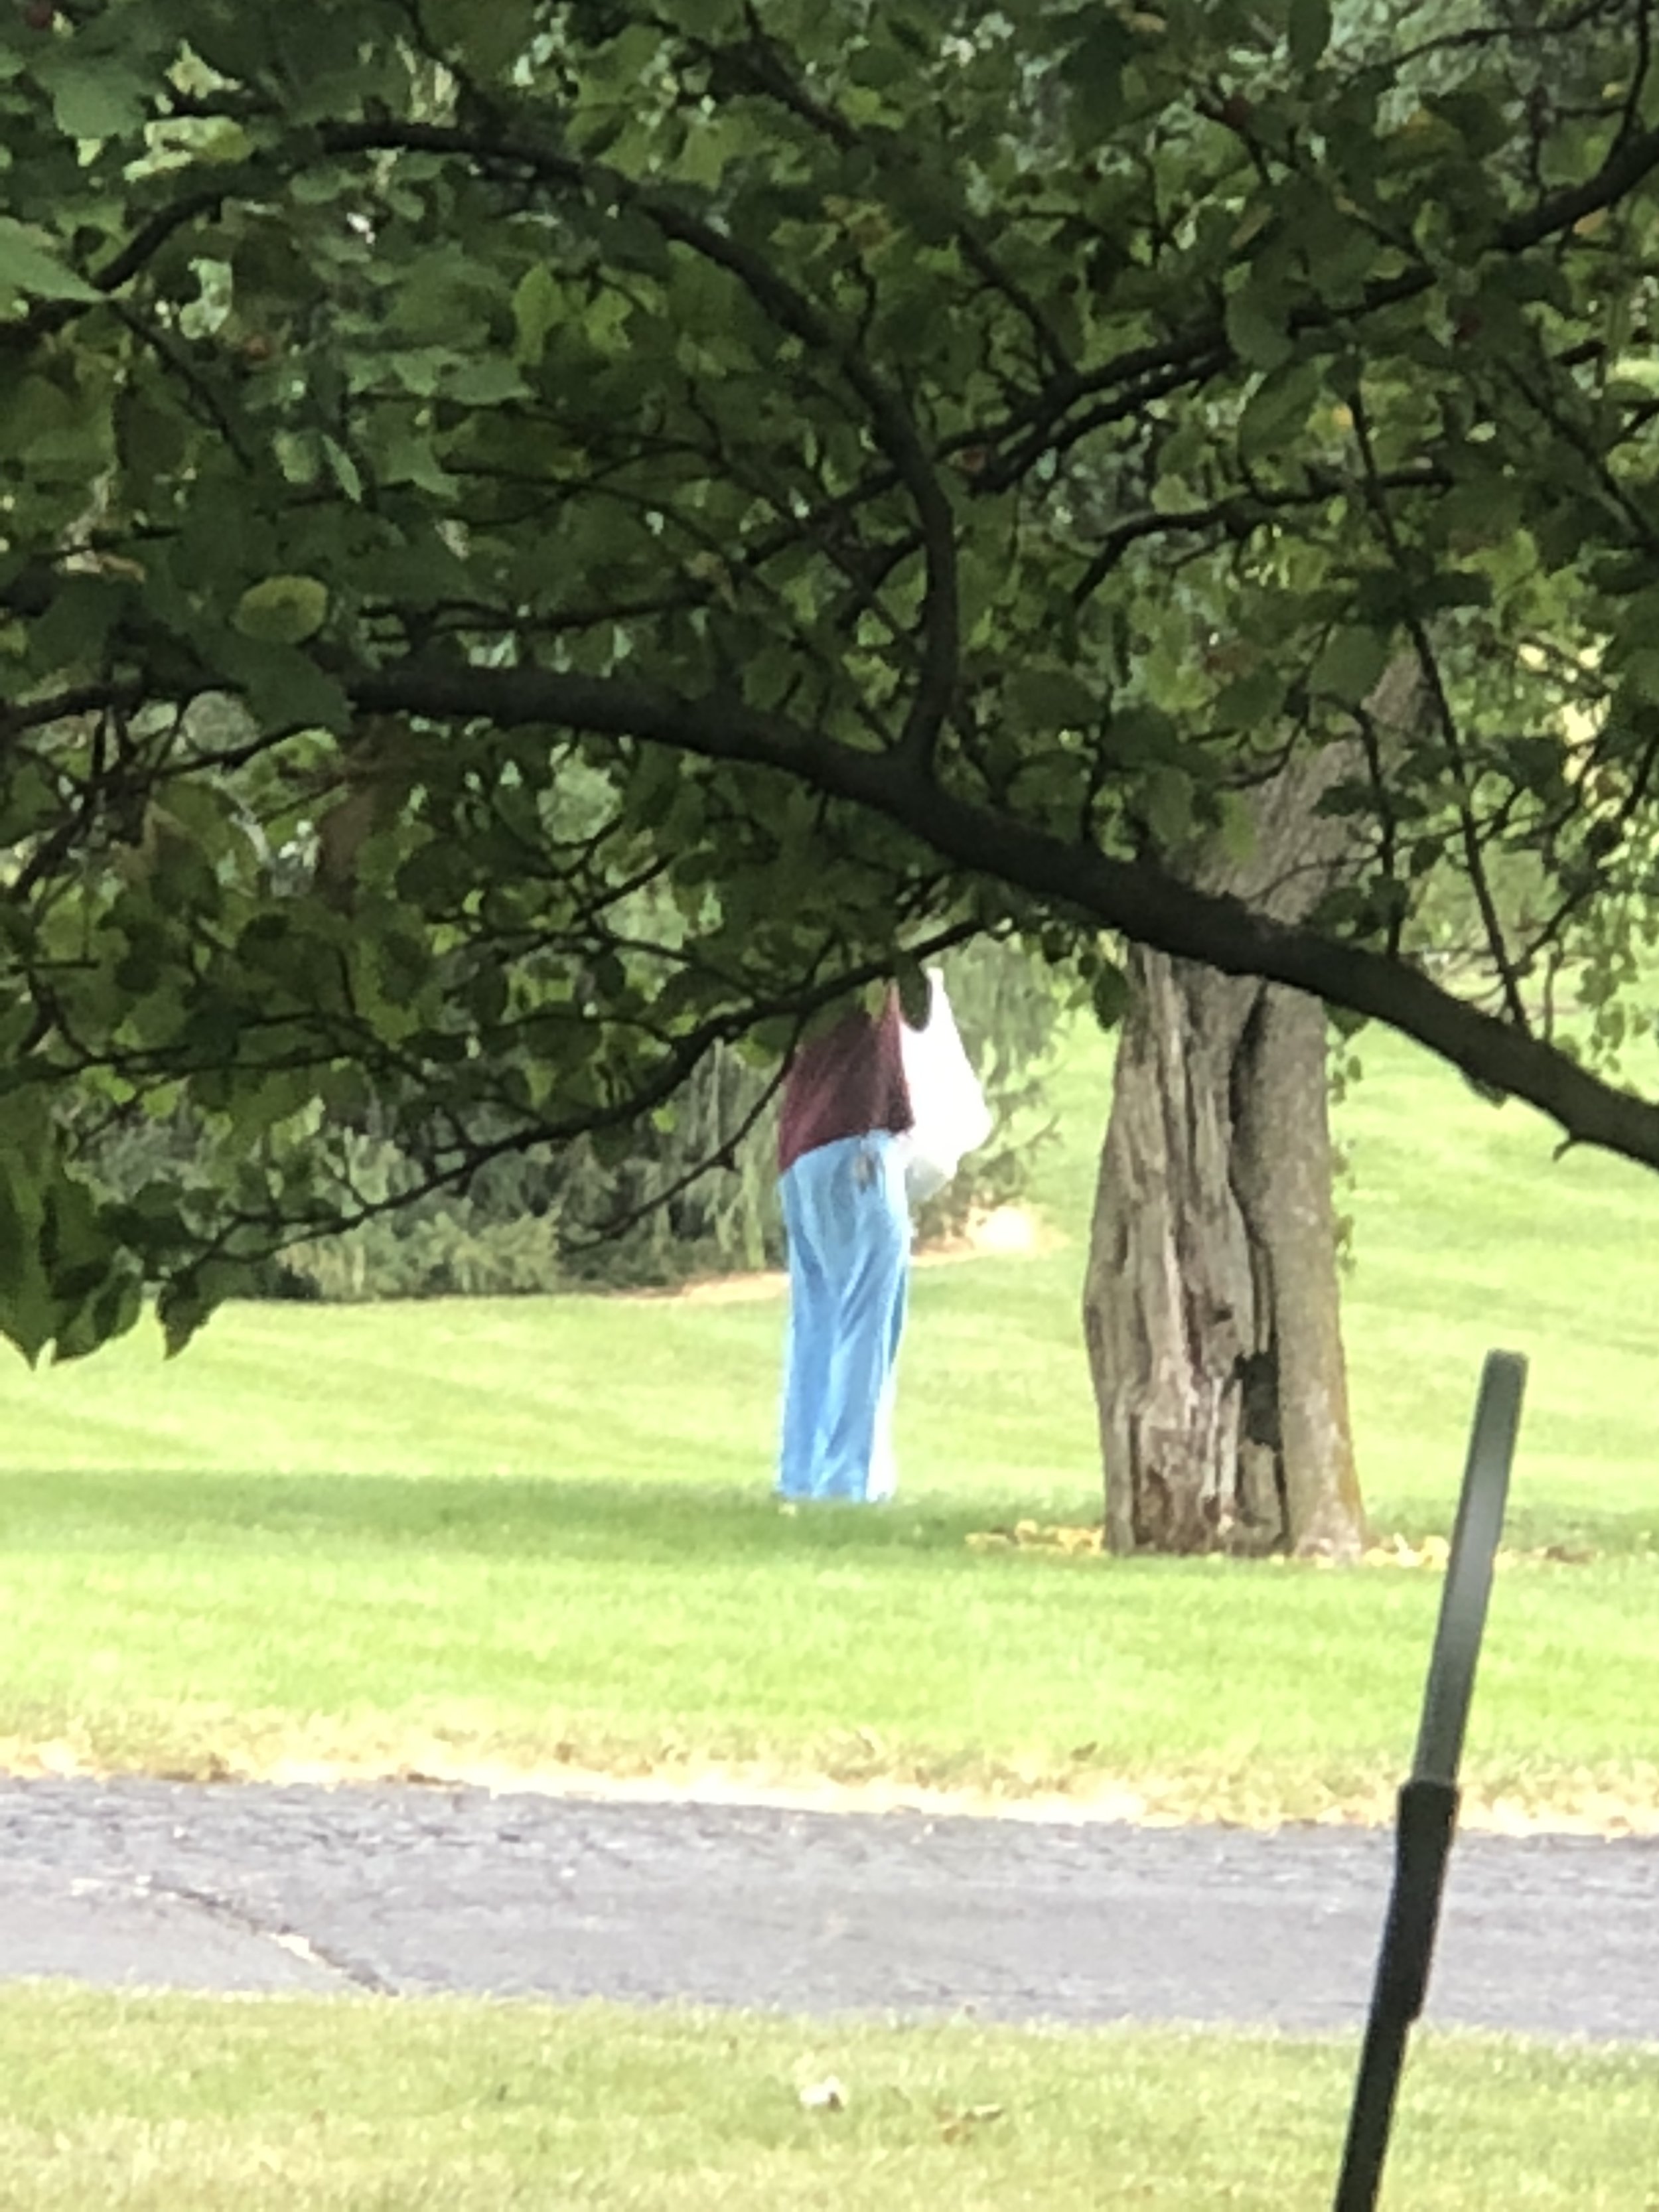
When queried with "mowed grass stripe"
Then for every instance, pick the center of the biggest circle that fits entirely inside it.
(195, 2105)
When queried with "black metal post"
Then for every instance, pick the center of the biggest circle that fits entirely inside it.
(1428, 1801)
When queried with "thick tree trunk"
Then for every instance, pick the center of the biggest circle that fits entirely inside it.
(1210, 1308)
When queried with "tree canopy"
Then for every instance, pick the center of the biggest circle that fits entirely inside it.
(537, 539)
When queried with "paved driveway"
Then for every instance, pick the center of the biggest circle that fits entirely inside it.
(247, 1886)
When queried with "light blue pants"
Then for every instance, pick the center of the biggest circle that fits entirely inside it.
(849, 1225)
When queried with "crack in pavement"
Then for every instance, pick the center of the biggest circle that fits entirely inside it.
(405, 1889)
(230, 1914)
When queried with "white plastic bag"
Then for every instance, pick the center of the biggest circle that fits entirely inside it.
(951, 1116)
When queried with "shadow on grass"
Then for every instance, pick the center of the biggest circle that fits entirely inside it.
(1558, 1524)
(666, 1522)
(486, 1515)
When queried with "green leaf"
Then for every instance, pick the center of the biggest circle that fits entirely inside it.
(485, 383)
(1094, 71)
(26, 266)
(1109, 994)
(282, 687)
(1350, 664)
(1278, 409)
(1309, 32)
(1252, 701)
(1237, 828)
(283, 609)
(96, 99)
(709, 147)
(181, 1309)
(1257, 327)
(711, 19)
(347, 474)
(1168, 806)
(487, 40)
(1479, 121)
(110, 1313)
(1052, 698)
(538, 309)
(1482, 513)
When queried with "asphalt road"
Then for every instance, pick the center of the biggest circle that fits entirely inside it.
(418, 1889)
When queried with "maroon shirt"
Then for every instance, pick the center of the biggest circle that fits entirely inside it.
(845, 1083)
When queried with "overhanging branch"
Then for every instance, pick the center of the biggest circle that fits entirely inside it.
(1138, 901)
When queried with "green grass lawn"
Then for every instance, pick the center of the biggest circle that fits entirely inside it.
(179, 2105)
(537, 1535)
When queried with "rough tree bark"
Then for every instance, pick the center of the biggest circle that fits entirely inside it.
(1210, 1307)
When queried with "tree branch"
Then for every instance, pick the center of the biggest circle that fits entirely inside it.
(1138, 900)
(889, 421)
(1237, 513)
(1428, 662)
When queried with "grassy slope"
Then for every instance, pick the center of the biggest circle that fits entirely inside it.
(182, 2105)
(373, 1536)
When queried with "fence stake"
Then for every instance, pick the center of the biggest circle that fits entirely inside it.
(1428, 1800)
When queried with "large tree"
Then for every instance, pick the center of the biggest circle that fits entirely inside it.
(537, 539)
